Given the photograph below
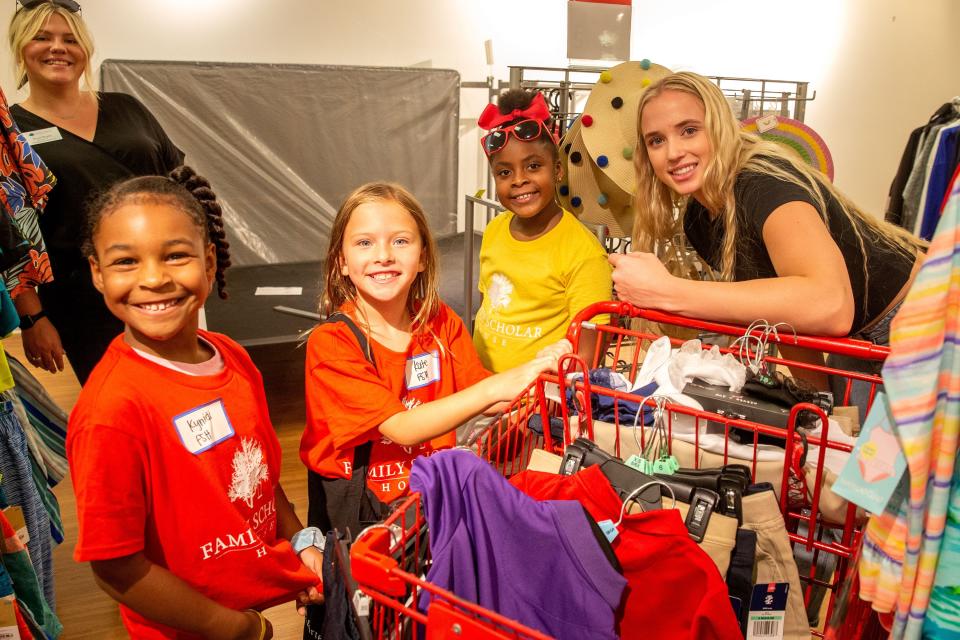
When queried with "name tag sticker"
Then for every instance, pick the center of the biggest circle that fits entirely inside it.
(204, 427)
(423, 369)
(39, 136)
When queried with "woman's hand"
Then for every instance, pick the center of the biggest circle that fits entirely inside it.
(642, 280)
(41, 345)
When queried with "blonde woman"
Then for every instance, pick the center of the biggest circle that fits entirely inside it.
(788, 246)
(89, 141)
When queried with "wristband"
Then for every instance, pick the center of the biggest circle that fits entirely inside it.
(308, 537)
(27, 321)
(263, 624)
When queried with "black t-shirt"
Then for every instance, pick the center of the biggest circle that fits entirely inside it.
(757, 196)
(128, 142)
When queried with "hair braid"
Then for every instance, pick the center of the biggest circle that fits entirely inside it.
(199, 188)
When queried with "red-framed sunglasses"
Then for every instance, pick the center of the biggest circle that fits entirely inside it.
(69, 5)
(525, 130)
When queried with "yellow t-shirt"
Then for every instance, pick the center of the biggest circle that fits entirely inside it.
(533, 289)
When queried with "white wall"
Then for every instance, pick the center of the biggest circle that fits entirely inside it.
(879, 67)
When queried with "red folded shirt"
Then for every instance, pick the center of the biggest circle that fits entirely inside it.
(673, 587)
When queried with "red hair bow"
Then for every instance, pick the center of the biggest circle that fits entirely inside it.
(491, 118)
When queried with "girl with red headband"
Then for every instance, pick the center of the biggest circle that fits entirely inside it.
(539, 266)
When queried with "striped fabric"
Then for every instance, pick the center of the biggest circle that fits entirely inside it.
(943, 616)
(922, 379)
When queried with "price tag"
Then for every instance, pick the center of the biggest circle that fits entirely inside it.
(609, 529)
(768, 606)
(8, 621)
(15, 517)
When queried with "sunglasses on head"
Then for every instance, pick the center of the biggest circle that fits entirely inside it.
(69, 5)
(525, 130)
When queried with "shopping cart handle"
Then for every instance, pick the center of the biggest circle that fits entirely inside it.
(372, 565)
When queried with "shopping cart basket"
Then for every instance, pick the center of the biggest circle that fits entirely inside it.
(389, 561)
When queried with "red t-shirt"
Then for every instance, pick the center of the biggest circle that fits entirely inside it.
(348, 400)
(674, 589)
(183, 468)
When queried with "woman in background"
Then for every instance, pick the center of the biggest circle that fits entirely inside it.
(90, 141)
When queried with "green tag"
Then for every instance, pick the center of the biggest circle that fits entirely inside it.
(640, 464)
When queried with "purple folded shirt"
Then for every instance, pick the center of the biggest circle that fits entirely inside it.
(535, 562)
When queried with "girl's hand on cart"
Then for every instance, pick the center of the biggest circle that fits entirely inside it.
(312, 558)
(640, 279)
(556, 350)
(506, 385)
(312, 595)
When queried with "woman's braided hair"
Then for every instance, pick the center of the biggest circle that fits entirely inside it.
(183, 189)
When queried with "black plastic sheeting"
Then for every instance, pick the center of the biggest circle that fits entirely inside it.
(283, 144)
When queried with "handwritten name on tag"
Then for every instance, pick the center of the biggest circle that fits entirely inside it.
(204, 426)
(423, 369)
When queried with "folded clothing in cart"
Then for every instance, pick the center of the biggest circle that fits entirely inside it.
(538, 563)
(674, 588)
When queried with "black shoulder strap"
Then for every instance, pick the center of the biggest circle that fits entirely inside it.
(361, 454)
(339, 316)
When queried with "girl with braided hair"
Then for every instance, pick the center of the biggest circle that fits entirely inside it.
(174, 461)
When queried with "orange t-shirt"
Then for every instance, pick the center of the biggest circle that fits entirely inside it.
(348, 400)
(185, 469)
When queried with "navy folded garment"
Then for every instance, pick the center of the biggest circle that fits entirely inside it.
(604, 407)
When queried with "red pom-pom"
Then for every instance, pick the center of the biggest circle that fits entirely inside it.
(587, 120)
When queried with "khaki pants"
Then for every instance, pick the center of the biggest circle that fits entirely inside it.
(775, 563)
(720, 538)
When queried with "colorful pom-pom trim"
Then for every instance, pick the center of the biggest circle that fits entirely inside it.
(575, 201)
(586, 119)
(602, 161)
(617, 102)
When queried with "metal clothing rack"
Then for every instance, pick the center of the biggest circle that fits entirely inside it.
(748, 96)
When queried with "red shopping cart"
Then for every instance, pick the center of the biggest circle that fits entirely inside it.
(389, 561)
